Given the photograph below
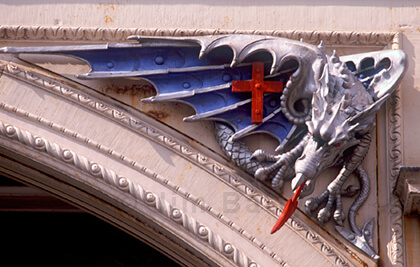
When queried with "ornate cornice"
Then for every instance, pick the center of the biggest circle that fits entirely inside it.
(54, 33)
(151, 133)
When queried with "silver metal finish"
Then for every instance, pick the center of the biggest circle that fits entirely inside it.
(339, 119)
(337, 108)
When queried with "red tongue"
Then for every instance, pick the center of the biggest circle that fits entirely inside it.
(288, 210)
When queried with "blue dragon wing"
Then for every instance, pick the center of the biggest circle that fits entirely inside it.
(198, 71)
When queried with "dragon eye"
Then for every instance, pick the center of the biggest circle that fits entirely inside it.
(337, 145)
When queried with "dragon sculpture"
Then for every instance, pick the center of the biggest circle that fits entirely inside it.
(323, 116)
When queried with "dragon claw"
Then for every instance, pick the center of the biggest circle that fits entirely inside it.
(280, 165)
(259, 155)
(324, 215)
(277, 184)
(339, 216)
(333, 208)
(311, 205)
(261, 174)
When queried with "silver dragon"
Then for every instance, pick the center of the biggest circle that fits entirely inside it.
(339, 113)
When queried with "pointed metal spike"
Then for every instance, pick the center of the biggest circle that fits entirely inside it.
(216, 111)
(53, 49)
(324, 80)
(336, 111)
(273, 70)
(133, 37)
(321, 45)
(148, 100)
(202, 54)
(234, 63)
(183, 94)
(285, 141)
(335, 58)
(244, 132)
(351, 128)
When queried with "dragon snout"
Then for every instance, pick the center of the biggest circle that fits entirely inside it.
(301, 178)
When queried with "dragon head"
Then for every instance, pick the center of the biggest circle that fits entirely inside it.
(344, 108)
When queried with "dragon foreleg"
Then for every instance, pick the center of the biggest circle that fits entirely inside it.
(335, 187)
(257, 163)
(361, 239)
(283, 162)
(351, 164)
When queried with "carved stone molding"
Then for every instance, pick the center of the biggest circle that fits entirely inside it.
(393, 161)
(60, 33)
(69, 158)
(110, 177)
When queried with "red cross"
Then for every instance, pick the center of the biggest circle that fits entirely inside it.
(258, 87)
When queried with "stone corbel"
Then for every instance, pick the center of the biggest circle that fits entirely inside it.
(408, 189)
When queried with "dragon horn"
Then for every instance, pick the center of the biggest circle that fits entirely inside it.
(335, 58)
(321, 46)
(368, 112)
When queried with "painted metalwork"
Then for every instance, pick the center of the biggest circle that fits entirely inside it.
(257, 86)
(322, 110)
